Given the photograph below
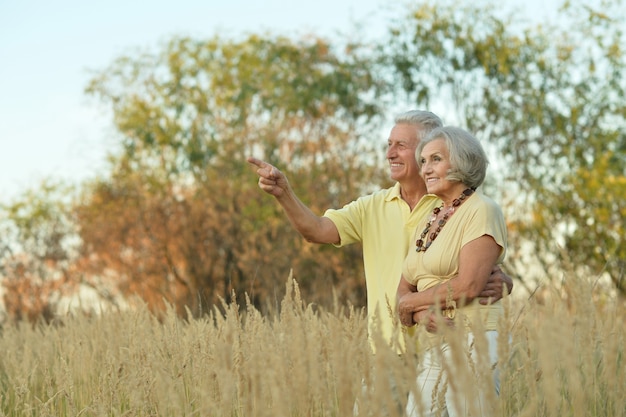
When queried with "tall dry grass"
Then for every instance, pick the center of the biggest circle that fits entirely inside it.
(565, 357)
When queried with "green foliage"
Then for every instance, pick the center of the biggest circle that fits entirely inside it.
(38, 245)
(185, 104)
(38, 223)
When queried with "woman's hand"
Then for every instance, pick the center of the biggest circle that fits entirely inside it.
(405, 307)
(429, 319)
(405, 310)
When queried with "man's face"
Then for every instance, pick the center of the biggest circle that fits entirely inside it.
(401, 147)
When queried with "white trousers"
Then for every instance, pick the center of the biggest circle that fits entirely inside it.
(440, 395)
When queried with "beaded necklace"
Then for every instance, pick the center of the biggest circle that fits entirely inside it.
(421, 244)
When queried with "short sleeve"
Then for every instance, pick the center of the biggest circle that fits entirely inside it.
(486, 220)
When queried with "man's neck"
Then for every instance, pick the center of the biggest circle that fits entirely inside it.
(412, 193)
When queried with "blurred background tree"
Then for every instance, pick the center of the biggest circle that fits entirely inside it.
(550, 101)
(38, 248)
(180, 219)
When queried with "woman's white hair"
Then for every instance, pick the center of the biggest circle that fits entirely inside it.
(468, 160)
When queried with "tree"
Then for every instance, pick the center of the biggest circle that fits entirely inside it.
(37, 248)
(551, 101)
(181, 218)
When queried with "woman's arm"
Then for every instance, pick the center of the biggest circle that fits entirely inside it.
(475, 264)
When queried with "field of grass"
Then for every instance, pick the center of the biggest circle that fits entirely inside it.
(565, 357)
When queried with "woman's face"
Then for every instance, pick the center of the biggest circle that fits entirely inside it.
(435, 163)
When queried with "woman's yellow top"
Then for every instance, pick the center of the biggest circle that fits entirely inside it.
(476, 217)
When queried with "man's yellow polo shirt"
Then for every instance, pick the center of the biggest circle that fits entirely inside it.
(386, 227)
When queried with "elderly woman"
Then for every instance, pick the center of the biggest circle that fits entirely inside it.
(449, 265)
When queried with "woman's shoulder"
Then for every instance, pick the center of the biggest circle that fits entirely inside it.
(485, 204)
(484, 200)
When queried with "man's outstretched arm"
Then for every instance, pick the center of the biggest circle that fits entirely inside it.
(313, 228)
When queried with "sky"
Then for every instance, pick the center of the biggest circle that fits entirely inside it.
(49, 128)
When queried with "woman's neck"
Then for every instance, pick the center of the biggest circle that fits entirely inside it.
(452, 194)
